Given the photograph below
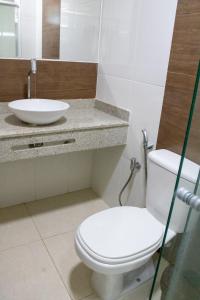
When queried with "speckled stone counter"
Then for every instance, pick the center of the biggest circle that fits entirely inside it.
(88, 124)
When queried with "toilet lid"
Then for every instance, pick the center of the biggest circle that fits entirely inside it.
(121, 232)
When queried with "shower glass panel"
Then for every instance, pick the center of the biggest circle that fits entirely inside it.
(185, 278)
(9, 28)
(177, 276)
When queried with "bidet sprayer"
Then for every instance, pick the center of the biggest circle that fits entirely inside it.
(146, 140)
(146, 148)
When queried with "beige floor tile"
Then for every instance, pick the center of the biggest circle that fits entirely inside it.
(157, 290)
(64, 213)
(157, 295)
(140, 293)
(92, 297)
(16, 227)
(27, 273)
(74, 273)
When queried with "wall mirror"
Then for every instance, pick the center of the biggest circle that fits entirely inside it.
(50, 29)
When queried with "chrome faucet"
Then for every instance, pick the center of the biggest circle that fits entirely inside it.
(33, 70)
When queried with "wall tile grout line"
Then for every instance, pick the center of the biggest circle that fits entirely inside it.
(148, 83)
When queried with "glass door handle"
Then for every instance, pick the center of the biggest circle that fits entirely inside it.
(188, 198)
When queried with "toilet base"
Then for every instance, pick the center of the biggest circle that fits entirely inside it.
(112, 287)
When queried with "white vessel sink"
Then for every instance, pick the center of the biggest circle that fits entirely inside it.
(38, 111)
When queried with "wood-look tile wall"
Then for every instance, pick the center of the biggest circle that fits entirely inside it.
(51, 29)
(54, 79)
(184, 58)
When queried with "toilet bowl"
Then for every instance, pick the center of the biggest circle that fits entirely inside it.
(118, 243)
(104, 239)
(105, 243)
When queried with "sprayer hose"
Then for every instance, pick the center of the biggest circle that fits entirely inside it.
(124, 187)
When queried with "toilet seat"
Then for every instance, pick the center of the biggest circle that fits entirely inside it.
(119, 237)
(116, 261)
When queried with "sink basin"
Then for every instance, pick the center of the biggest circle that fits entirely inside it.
(38, 111)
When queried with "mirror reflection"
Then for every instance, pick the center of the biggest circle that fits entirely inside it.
(50, 29)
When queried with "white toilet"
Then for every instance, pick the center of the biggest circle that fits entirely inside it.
(118, 243)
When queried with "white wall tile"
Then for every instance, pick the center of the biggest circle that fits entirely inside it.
(51, 176)
(134, 52)
(38, 28)
(118, 36)
(79, 170)
(16, 183)
(143, 100)
(31, 28)
(114, 90)
(136, 39)
(29, 180)
(145, 103)
(28, 37)
(79, 32)
(80, 25)
(28, 8)
(110, 171)
(154, 35)
(56, 175)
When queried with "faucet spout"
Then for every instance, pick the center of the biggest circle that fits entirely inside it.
(29, 86)
(33, 65)
(33, 70)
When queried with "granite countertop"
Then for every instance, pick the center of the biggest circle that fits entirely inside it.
(82, 115)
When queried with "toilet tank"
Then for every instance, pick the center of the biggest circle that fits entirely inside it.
(163, 167)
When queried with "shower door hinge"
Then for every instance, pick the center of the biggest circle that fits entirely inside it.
(188, 198)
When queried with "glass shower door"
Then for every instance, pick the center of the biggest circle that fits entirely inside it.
(185, 279)
(177, 275)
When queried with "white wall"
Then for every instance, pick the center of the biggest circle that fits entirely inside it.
(134, 53)
(7, 31)
(27, 180)
(79, 31)
(31, 28)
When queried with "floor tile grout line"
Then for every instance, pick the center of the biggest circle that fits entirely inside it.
(21, 245)
(32, 219)
(25, 243)
(50, 236)
(51, 258)
(49, 255)
(38, 230)
(42, 239)
(54, 234)
(85, 297)
(57, 234)
(57, 271)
